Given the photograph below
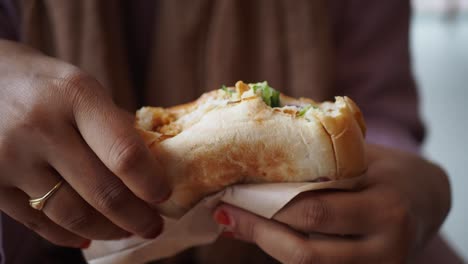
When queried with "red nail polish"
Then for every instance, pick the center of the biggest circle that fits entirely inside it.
(86, 244)
(222, 218)
(228, 234)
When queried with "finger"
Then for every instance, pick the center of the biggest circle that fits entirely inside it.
(15, 203)
(338, 212)
(110, 133)
(101, 188)
(67, 209)
(288, 246)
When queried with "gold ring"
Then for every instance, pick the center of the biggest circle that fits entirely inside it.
(39, 203)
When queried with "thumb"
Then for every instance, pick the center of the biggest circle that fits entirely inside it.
(110, 133)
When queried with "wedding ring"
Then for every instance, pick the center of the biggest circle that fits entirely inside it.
(39, 203)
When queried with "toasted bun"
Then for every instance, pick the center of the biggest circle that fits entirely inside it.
(230, 137)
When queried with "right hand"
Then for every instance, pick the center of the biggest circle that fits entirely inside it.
(58, 123)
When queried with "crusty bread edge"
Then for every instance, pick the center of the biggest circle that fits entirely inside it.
(347, 134)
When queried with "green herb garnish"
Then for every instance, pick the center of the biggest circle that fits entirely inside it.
(269, 95)
(224, 88)
(304, 110)
(275, 99)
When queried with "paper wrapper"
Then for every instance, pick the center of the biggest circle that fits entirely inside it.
(197, 227)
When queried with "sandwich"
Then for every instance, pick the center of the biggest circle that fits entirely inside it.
(251, 133)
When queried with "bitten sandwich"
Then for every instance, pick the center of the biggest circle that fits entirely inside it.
(251, 133)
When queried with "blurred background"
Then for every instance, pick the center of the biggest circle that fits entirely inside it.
(440, 62)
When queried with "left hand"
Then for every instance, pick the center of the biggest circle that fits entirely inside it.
(402, 204)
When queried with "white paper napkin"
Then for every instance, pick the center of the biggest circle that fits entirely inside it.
(197, 227)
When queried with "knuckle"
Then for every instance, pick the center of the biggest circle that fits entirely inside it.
(250, 232)
(78, 221)
(403, 229)
(315, 213)
(401, 216)
(77, 87)
(399, 210)
(77, 81)
(110, 198)
(247, 229)
(125, 154)
(35, 225)
(303, 255)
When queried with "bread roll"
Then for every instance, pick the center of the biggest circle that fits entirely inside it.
(233, 135)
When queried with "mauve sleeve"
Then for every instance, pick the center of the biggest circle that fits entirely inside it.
(374, 68)
(9, 22)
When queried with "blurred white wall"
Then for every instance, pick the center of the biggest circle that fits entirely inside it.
(436, 6)
(440, 54)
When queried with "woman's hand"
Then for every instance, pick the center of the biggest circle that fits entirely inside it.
(402, 204)
(59, 123)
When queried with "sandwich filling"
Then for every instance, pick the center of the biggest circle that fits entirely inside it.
(168, 122)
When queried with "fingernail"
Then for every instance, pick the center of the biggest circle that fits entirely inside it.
(86, 244)
(222, 218)
(228, 234)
